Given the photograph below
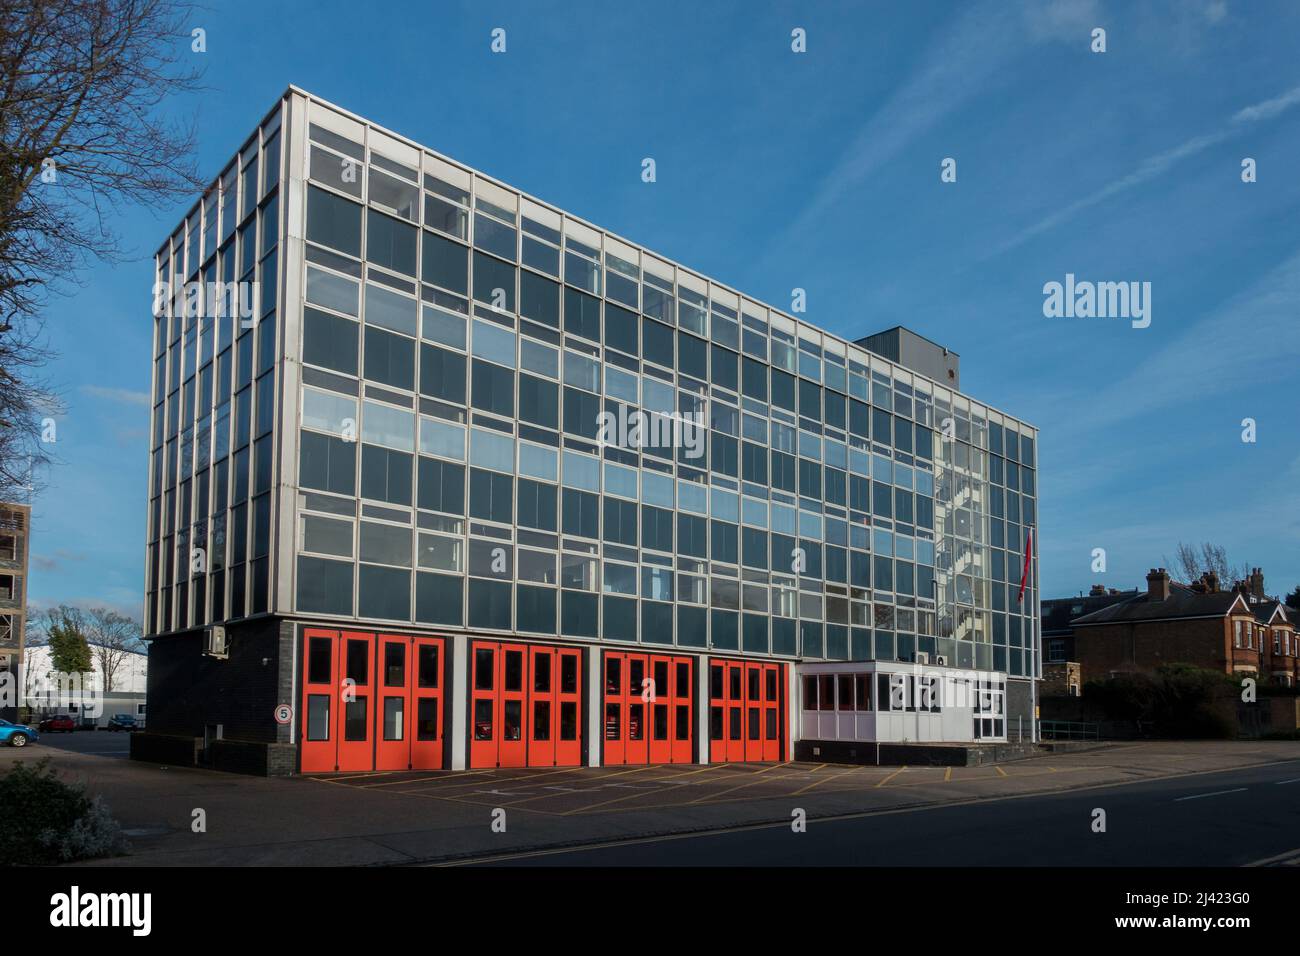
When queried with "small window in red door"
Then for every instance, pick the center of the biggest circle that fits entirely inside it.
(354, 719)
(542, 718)
(483, 659)
(613, 675)
(568, 674)
(512, 720)
(394, 718)
(771, 685)
(426, 719)
(568, 720)
(394, 665)
(483, 719)
(661, 688)
(427, 671)
(320, 660)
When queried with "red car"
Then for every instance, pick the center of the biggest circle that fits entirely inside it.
(59, 722)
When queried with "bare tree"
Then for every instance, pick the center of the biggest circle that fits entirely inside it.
(83, 132)
(113, 638)
(1191, 561)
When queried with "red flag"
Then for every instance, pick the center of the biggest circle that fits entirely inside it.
(1024, 575)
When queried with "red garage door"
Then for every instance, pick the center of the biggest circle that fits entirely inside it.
(746, 717)
(525, 705)
(371, 702)
(648, 709)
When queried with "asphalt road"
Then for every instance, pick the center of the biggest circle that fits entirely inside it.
(101, 743)
(1219, 819)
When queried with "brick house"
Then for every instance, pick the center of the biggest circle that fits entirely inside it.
(1229, 630)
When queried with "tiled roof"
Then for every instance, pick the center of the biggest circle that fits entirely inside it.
(1182, 602)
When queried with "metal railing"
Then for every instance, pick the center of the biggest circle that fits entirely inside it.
(1069, 730)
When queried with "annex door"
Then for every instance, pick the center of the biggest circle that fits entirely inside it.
(525, 705)
(370, 702)
(745, 714)
(648, 707)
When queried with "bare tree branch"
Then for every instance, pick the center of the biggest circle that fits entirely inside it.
(83, 133)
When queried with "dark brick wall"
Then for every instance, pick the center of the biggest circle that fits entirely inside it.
(187, 691)
(161, 748)
(1123, 647)
(265, 760)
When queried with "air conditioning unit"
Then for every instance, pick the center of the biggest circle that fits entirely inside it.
(923, 657)
(214, 642)
(941, 660)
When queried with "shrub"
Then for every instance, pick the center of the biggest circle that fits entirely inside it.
(1177, 700)
(46, 820)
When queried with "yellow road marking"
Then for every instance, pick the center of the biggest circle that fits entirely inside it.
(947, 775)
(821, 780)
(886, 780)
(1000, 771)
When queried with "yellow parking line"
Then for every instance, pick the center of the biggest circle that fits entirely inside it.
(1000, 771)
(947, 775)
(886, 780)
(430, 778)
(820, 780)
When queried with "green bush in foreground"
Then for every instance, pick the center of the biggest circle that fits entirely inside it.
(45, 820)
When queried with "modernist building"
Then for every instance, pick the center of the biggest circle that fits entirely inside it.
(15, 529)
(389, 527)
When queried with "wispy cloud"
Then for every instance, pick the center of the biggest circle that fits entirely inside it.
(1155, 166)
(1249, 338)
(976, 46)
(123, 396)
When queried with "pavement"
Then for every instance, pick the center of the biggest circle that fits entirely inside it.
(459, 816)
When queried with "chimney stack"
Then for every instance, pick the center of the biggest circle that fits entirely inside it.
(1211, 582)
(1257, 583)
(1097, 590)
(1158, 584)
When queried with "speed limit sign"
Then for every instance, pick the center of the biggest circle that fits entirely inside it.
(283, 714)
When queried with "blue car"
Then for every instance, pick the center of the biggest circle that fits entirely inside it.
(16, 735)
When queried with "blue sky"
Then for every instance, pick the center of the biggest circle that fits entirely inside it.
(820, 170)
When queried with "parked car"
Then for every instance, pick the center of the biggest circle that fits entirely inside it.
(16, 735)
(122, 722)
(59, 723)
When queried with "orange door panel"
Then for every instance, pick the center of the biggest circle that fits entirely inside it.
(682, 713)
(735, 711)
(568, 696)
(318, 718)
(356, 716)
(772, 736)
(542, 709)
(426, 703)
(512, 749)
(483, 717)
(660, 710)
(635, 717)
(613, 722)
(392, 706)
